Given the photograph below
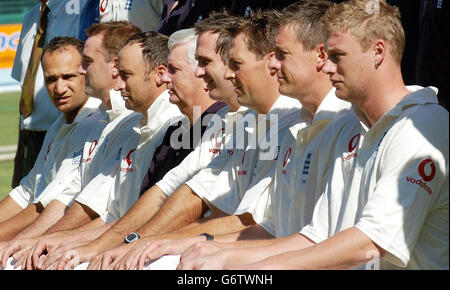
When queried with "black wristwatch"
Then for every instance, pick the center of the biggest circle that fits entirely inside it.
(132, 237)
(207, 236)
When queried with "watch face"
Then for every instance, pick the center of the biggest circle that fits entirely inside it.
(132, 237)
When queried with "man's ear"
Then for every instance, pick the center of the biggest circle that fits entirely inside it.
(159, 72)
(379, 51)
(115, 69)
(322, 56)
(269, 56)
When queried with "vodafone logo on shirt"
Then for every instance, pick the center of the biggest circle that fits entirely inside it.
(427, 170)
(351, 147)
(128, 160)
(429, 174)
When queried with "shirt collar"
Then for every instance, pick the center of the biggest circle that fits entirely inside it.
(91, 106)
(117, 105)
(281, 107)
(329, 106)
(418, 96)
(161, 111)
(282, 104)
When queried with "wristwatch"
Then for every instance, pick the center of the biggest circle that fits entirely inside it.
(207, 236)
(131, 237)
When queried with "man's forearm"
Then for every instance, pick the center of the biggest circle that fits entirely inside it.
(346, 250)
(82, 235)
(8, 208)
(92, 225)
(226, 227)
(11, 227)
(254, 235)
(49, 216)
(251, 251)
(140, 213)
(181, 208)
(77, 216)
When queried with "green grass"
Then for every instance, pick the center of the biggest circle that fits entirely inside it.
(9, 118)
(6, 172)
(9, 131)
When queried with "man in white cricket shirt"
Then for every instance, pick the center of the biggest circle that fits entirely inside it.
(394, 209)
(61, 154)
(100, 70)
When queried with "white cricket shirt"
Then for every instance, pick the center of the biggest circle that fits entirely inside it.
(60, 156)
(93, 141)
(287, 203)
(396, 185)
(125, 158)
(225, 180)
(212, 146)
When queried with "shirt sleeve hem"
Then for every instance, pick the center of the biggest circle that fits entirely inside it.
(392, 255)
(20, 199)
(311, 234)
(165, 188)
(203, 194)
(89, 204)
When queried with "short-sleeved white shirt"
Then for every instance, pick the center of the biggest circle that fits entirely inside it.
(57, 165)
(287, 203)
(224, 181)
(126, 157)
(395, 185)
(93, 141)
(145, 14)
(100, 137)
(212, 145)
